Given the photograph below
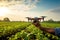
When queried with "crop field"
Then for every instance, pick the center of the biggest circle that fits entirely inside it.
(25, 31)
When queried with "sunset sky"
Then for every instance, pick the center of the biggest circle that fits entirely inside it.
(17, 10)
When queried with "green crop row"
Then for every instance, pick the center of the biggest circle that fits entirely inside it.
(26, 31)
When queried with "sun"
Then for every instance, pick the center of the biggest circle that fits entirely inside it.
(3, 11)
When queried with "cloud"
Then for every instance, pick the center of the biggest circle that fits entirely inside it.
(20, 4)
(23, 5)
(52, 13)
(57, 10)
(14, 2)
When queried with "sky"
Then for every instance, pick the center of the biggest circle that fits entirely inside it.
(17, 10)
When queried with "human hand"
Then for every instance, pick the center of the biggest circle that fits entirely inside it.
(36, 23)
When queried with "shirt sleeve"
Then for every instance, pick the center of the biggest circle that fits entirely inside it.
(57, 31)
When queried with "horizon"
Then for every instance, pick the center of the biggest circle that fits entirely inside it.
(18, 10)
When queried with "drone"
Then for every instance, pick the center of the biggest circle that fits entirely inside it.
(36, 18)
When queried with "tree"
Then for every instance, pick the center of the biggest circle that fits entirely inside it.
(6, 19)
(50, 20)
(0, 20)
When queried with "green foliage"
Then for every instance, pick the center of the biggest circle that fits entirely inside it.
(26, 31)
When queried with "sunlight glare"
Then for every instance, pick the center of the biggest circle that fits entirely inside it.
(3, 11)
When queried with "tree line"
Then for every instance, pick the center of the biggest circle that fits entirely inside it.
(52, 21)
(6, 19)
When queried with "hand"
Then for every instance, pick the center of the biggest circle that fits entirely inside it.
(36, 23)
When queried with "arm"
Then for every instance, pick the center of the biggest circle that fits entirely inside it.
(49, 30)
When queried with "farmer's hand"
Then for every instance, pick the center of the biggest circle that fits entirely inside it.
(37, 23)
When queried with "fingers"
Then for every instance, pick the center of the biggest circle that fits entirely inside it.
(36, 24)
